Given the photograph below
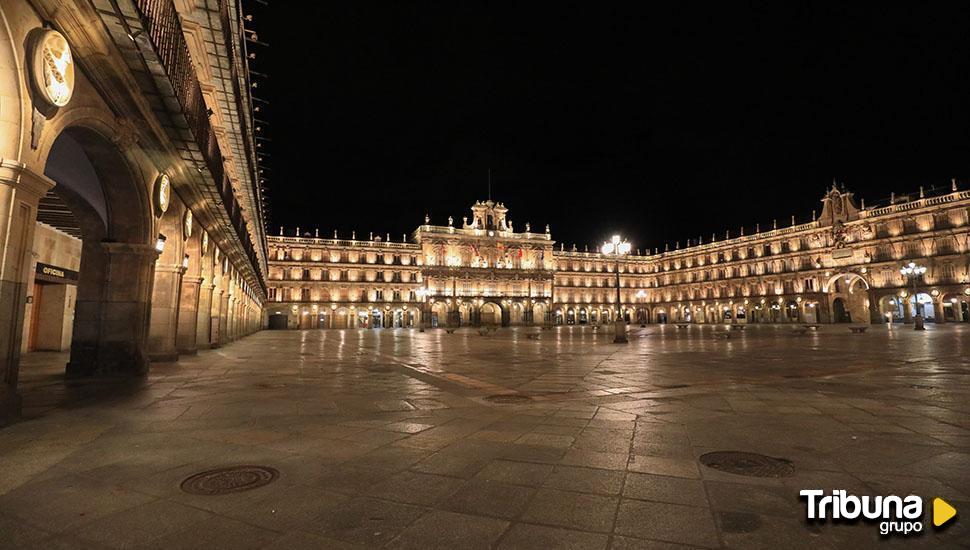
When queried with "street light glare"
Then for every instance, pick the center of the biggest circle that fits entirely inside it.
(607, 248)
(615, 239)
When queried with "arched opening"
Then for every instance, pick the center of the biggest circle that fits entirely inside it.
(922, 304)
(891, 308)
(853, 292)
(538, 314)
(839, 313)
(98, 201)
(439, 314)
(955, 307)
(491, 314)
(341, 318)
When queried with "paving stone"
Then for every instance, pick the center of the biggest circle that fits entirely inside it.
(582, 511)
(524, 536)
(667, 522)
(448, 530)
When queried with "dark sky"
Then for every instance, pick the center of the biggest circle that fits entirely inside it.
(660, 125)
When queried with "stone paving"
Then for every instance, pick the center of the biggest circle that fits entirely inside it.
(390, 439)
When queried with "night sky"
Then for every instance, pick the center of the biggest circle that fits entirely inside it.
(660, 125)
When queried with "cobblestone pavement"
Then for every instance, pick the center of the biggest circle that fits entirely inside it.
(393, 438)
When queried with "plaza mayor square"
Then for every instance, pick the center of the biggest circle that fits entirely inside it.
(345, 275)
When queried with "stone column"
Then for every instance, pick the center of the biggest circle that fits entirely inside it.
(20, 191)
(111, 319)
(188, 319)
(204, 321)
(163, 331)
(875, 316)
(939, 314)
(224, 319)
(215, 318)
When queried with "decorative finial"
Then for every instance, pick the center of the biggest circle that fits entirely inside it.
(953, 185)
(793, 220)
(813, 215)
(298, 231)
(316, 232)
(451, 221)
(427, 219)
(742, 230)
(774, 223)
(528, 227)
(388, 236)
(281, 231)
(335, 233)
(892, 198)
(353, 235)
(585, 248)
(547, 228)
(372, 235)
(863, 203)
(921, 195)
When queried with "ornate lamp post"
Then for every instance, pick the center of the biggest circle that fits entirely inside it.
(616, 247)
(422, 294)
(913, 272)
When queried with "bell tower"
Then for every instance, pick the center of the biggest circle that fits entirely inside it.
(488, 215)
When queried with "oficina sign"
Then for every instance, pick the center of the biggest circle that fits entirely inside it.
(54, 274)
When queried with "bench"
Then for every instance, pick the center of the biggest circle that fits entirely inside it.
(485, 331)
(450, 330)
(532, 336)
(859, 330)
(811, 326)
(683, 325)
(738, 327)
(722, 335)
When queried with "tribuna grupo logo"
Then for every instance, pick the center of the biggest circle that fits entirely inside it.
(896, 515)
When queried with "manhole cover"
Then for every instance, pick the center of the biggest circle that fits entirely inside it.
(234, 479)
(748, 464)
(508, 398)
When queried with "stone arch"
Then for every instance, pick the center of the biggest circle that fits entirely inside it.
(12, 86)
(106, 196)
(492, 313)
(439, 314)
(852, 290)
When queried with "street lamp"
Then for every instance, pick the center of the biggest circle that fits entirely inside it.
(422, 293)
(616, 247)
(913, 272)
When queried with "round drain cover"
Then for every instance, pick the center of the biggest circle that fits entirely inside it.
(508, 398)
(748, 464)
(233, 479)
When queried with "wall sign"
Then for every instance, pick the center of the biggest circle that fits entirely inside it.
(54, 274)
(52, 68)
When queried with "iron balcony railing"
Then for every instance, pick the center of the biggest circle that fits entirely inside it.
(164, 29)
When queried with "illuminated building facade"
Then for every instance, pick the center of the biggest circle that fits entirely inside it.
(843, 266)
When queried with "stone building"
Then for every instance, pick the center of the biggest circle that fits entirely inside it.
(130, 210)
(843, 266)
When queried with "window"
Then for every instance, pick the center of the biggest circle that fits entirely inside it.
(397, 295)
(809, 285)
(378, 294)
